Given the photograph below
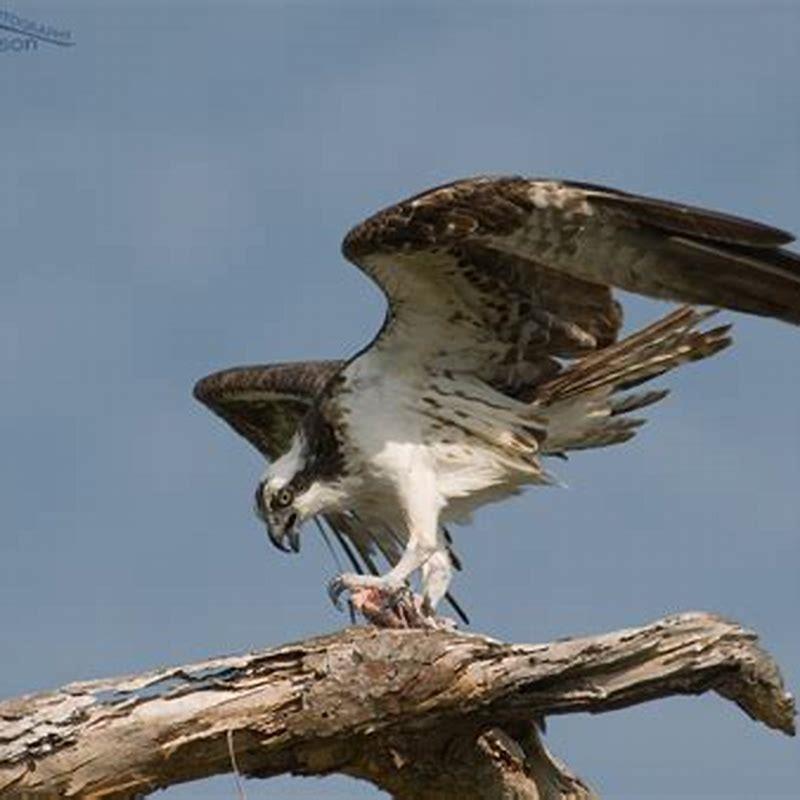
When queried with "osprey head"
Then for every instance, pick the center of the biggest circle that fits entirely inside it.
(292, 491)
(275, 506)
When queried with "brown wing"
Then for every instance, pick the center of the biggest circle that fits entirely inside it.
(265, 403)
(498, 269)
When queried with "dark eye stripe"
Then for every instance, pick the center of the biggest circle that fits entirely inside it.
(261, 508)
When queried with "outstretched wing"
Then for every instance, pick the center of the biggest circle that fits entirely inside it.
(265, 404)
(488, 273)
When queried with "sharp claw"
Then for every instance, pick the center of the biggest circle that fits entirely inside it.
(336, 588)
(426, 609)
(377, 600)
(400, 597)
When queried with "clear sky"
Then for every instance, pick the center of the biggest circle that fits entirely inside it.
(175, 187)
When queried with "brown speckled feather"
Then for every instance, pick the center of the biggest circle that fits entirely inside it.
(599, 384)
(596, 236)
(265, 403)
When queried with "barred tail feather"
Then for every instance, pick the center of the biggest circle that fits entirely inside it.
(587, 405)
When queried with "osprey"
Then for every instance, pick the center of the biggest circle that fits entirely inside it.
(500, 348)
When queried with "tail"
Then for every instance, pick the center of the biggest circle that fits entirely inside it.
(588, 404)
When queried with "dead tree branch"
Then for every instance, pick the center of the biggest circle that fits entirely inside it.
(422, 714)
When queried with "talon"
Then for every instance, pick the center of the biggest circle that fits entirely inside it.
(346, 582)
(382, 603)
(399, 597)
(336, 588)
(406, 606)
(426, 609)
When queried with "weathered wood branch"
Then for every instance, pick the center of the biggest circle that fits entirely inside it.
(422, 714)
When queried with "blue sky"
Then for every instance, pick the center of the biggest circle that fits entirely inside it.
(175, 189)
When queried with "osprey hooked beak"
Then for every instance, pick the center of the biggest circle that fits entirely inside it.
(280, 517)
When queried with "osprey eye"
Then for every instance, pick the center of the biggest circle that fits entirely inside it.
(284, 498)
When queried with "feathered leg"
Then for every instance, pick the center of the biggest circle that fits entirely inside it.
(382, 598)
(437, 573)
(387, 599)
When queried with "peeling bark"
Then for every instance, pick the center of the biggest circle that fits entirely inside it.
(428, 715)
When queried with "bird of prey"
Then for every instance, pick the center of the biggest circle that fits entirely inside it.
(500, 347)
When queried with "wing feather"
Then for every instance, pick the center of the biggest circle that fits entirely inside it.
(689, 220)
(451, 245)
(265, 403)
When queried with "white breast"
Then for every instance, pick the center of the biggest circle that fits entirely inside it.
(401, 449)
